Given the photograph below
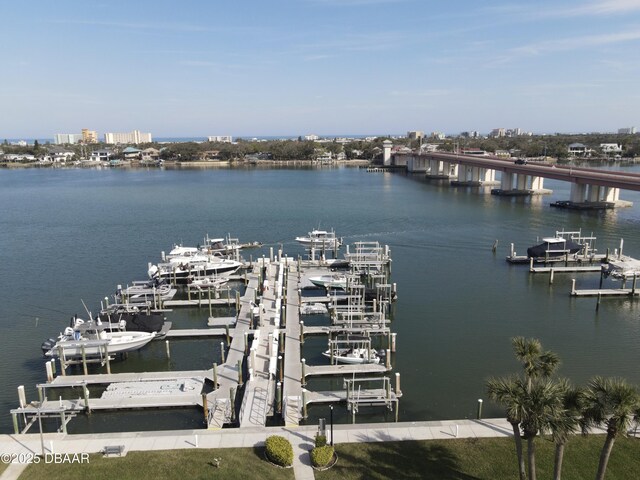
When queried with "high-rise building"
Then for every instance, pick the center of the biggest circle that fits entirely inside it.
(415, 135)
(221, 139)
(134, 137)
(64, 138)
(627, 131)
(89, 136)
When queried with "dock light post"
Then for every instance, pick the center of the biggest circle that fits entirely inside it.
(331, 419)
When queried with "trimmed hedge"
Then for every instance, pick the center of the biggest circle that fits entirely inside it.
(279, 450)
(322, 456)
(321, 440)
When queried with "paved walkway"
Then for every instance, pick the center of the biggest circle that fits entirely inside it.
(301, 437)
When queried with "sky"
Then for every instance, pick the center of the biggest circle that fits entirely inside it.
(325, 67)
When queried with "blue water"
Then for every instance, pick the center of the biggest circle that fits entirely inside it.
(69, 236)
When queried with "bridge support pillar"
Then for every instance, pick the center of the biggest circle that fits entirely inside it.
(475, 176)
(592, 197)
(517, 184)
(435, 169)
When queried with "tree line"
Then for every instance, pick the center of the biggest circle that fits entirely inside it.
(525, 146)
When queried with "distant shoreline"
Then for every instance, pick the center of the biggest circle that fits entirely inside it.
(191, 164)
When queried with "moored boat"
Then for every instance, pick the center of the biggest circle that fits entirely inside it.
(553, 247)
(134, 318)
(90, 338)
(353, 355)
(330, 281)
(182, 268)
(320, 239)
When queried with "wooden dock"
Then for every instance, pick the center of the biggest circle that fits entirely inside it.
(575, 268)
(200, 302)
(344, 369)
(198, 332)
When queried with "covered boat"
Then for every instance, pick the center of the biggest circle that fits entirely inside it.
(134, 318)
(554, 247)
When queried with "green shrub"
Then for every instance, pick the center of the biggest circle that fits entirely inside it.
(322, 456)
(321, 440)
(279, 450)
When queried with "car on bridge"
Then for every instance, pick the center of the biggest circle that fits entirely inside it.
(520, 161)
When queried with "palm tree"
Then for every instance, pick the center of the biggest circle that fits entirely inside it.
(543, 403)
(613, 404)
(565, 423)
(535, 362)
(508, 392)
(515, 394)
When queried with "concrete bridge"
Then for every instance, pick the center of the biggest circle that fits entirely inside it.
(590, 188)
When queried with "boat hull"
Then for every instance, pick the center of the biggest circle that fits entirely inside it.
(119, 342)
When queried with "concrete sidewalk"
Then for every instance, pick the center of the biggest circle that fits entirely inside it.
(301, 437)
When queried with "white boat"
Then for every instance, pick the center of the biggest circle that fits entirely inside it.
(144, 291)
(313, 309)
(93, 336)
(330, 281)
(353, 355)
(183, 268)
(320, 239)
(208, 282)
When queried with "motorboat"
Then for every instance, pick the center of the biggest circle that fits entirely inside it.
(330, 281)
(134, 318)
(353, 355)
(320, 239)
(553, 247)
(205, 283)
(92, 337)
(145, 291)
(182, 268)
(313, 309)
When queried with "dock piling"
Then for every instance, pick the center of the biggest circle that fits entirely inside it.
(398, 391)
(222, 351)
(393, 342)
(479, 409)
(240, 373)
(205, 407)
(84, 360)
(166, 343)
(303, 376)
(85, 391)
(551, 276)
(279, 397)
(215, 376)
(49, 371)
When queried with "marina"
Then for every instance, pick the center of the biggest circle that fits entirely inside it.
(435, 330)
(263, 340)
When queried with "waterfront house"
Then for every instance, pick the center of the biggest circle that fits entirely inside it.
(578, 150)
(131, 153)
(102, 155)
(150, 154)
(60, 155)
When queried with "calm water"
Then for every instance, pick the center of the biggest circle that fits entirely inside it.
(73, 235)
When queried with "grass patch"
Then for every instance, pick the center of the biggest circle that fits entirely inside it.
(235, 463)
(474, 459)
(3, 467)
